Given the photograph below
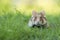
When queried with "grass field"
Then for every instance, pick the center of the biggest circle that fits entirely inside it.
(14, 27)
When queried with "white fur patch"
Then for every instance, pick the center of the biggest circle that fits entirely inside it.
(30, 24)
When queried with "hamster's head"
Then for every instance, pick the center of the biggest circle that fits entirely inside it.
(39, 18)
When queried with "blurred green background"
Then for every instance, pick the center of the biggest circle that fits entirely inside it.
(29, 5)
(15, 14)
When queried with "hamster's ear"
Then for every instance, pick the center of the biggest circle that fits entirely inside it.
(34, 13)
(42, 13)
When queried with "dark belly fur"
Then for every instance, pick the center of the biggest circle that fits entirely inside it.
(40, 26)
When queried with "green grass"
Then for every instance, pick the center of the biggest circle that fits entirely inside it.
(14, 27)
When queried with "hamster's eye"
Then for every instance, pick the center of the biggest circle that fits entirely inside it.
(40, 17)
(35, 18)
